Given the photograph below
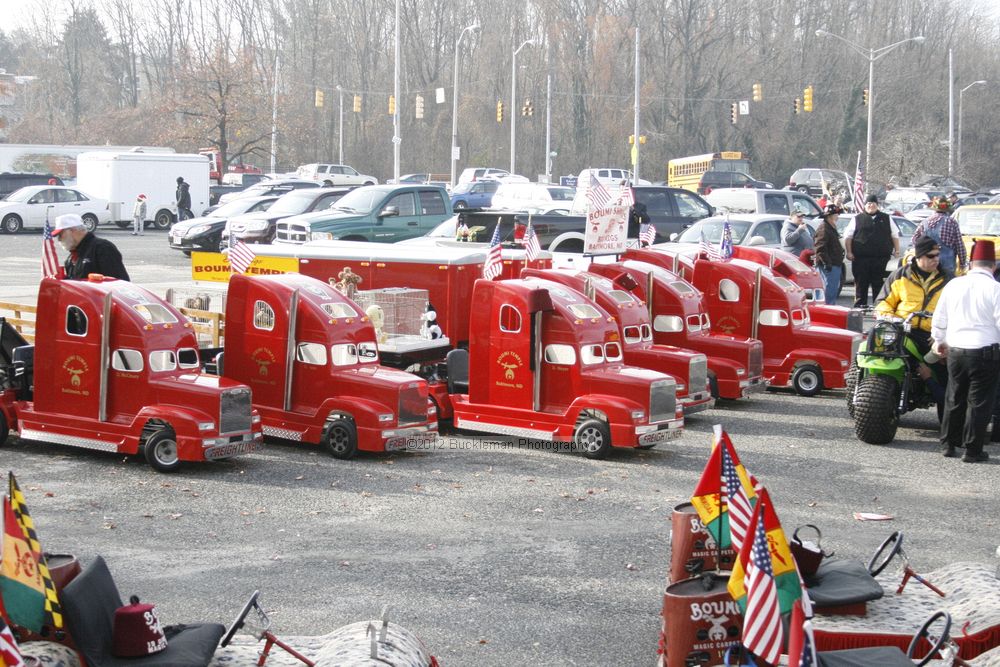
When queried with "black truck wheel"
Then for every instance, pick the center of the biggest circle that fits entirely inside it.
(875, 418)
(850, 384)
(593, 437)
(160, 451)
(4, 430)
(807, 380)
(341, 439)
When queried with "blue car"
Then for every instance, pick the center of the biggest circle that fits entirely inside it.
(474, 195)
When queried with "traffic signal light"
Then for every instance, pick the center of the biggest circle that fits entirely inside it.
(734, 109)
(528, 109)
(631, 139)
(392, 105)
(758, 93)
(642, 138)
(798, 103)
(357, 104)
(419, 107)
(499, 111)
(807, 99)
(318, 98)
(864, 96)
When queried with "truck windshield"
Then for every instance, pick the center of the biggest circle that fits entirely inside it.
(349, 354)
(21, 195)
(292, 203)
(162, 360)
(361, 200)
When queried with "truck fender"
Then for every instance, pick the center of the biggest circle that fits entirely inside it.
(572, 242)
(184, 421)
(826, 360)
(612, 409)
(363, 411)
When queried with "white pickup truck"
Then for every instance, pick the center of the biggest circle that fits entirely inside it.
(334, 174)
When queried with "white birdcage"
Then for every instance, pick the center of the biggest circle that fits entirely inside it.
(402, 307)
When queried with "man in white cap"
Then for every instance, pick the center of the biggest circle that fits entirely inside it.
(87, 253)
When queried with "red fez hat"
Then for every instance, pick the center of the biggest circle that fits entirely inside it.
(137, 631)
(983, 251)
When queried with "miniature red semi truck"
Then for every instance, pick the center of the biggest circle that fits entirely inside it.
(745, 298)
(310, 355)
(116, 369)
(546, 363)
(679, 317)
(789, 266)
(689, 368)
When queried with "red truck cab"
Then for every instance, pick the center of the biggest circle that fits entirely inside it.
(789, 266)
(748, 299)
(546, 363)
(679, 317)
(310, 355)
(689, 368)
(116, 369)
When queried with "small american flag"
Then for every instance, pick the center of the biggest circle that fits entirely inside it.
(801, 641)
(726, 242)
(859, 187)
(625, 196)
(10, 654)
(50, 259)
(241, 257)
(531, 245)
(708, 248)
(737, 502)
(762, 632)
(597, 194)
(647, 234)
(494, 261)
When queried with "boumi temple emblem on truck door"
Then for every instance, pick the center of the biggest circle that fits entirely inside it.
(263, 357)
(76, 366)
(509, 362)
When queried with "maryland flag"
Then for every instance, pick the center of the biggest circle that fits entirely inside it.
(21, 584)
(782, 565)
(724, 497)
(52, 610)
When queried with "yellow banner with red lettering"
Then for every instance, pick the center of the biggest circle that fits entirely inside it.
(215, 267)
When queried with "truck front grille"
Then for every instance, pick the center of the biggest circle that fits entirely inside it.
(755, 363)
(234, 410)
(412, 405)
(697, 374)
(292, 233)
(662, 401)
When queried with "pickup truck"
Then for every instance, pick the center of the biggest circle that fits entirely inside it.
(378, 213)
(334, 174)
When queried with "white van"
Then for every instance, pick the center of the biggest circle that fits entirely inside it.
(608, 176)
(760, 200)
(532, 197)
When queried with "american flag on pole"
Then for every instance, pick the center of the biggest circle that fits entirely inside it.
(726, 242)
(241, 257)
(859, 187)
(50, 259)
(708, 248)
(531, 246)
(647, 234)
(597, 194)
(801, 641)
(740, 509)
(494, 262)
(762, 633)
(625, 196)
(10, 654)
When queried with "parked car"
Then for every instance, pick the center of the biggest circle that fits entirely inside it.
(11, 182)
(31, 206)
(713, 180)
(215, 192)
(242, 178)
(811, 181)
(471, 174)
(671, 210)
(205, 233)
(377, 213)
(532, 197)
(757, 229)
(904, 200)
(415, 179)
(474, 194)
(608, 176)
(330, 175)
(277, 186)
(776, 202)
(260, 227)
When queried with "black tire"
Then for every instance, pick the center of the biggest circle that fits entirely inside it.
(368, 183)
(187, 253)
(807, 380)
(593, 437)
(341, 439)
(360, 239)
(4, 430)
(803, 189)
(160, 451)
(875, 417)
(89, 222)
(459, 206)
(163, 219)
(123, 224)
(713, 384)
(11, 224)
(850, 384)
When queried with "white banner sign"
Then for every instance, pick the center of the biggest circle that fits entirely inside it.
(607, 231)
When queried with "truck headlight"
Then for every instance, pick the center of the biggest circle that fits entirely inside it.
(321, 236)
(740, 372)
(255, 419)
(197, 229)
(256, 226)
(386, 417)
(206, 426)
(638, 415)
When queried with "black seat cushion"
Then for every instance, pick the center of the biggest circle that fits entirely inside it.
(840, 582)
(457, 362)
(878, 656)
(90, 601)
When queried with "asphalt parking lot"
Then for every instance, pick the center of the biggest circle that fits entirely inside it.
(492, 553)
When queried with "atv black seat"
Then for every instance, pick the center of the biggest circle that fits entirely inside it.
(457, 361)
(842, 586)
(23, 358)
(876, 656)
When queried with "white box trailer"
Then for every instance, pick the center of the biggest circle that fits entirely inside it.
(122, 177)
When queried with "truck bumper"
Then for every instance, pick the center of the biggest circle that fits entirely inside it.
(245, 444)
(752, 386)
(651, 435)
(695, 403)
(414, 437)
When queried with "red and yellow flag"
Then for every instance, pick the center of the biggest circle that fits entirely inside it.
(710, 498)
(53, 610)
(21, 583)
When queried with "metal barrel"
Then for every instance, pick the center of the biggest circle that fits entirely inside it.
(692, 549)
(700, 621)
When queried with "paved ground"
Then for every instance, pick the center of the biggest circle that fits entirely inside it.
(494, 556)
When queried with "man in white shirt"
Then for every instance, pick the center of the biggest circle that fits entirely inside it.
(966, 330)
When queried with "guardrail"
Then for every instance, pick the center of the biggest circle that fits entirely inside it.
(207, 323)
(24, 325)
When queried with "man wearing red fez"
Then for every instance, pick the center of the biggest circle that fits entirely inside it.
(966, 330)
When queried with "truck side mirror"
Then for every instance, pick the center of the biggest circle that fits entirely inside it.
(388, 211)
(757, 240)
(626, 282)
(673, 237)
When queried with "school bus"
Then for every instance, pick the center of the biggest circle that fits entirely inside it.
(686, 172)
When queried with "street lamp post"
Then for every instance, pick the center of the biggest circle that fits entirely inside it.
(960, 93)
(513, 100)
(454, 104)
(340, 130)
(872, 55)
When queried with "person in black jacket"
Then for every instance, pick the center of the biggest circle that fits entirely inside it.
(871, 239)
(87, 253)
(183, 195)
